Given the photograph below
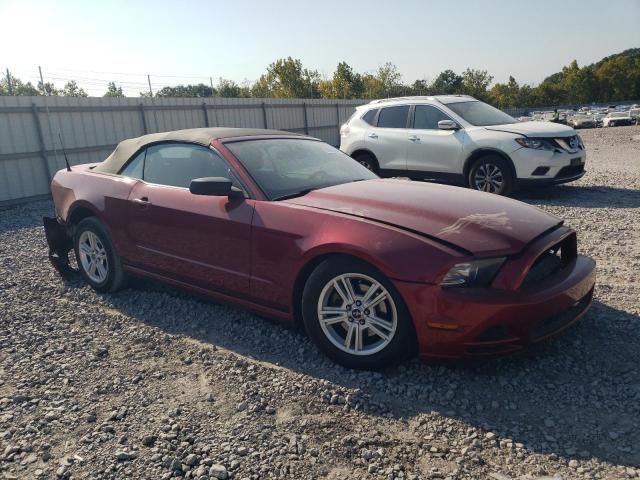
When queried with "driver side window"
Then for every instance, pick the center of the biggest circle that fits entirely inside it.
(427, 117)
(177, 164)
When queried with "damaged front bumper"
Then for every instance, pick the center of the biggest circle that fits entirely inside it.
(60, 244)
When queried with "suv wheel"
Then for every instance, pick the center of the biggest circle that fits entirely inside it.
(491, 174)
(367, 160)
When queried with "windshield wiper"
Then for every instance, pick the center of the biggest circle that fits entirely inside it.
(300, 193)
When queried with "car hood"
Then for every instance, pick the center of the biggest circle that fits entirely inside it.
(535, 129)
(479, 223)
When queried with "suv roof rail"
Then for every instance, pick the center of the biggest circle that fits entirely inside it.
(417, 97)
(391, 99)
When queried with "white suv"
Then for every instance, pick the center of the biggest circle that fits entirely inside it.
(458, 138)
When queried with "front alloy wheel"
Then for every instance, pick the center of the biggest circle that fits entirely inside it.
(489, 178)
(357, 314)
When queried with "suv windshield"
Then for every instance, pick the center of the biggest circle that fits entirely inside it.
(480, 114)
(286, 168)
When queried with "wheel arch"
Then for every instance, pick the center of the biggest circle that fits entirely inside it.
(80, 210)
(481, 152)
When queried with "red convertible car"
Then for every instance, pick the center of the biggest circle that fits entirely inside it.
(286, 225)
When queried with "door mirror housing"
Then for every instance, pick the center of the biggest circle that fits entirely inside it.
(448, 125)
(215, 187)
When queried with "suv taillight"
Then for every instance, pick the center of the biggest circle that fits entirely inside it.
(344, 130)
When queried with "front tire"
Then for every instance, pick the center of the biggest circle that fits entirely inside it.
(97, 258)
(492, 174)
(368, 161)
(354, 314)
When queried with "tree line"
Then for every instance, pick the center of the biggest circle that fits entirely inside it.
(613, 78)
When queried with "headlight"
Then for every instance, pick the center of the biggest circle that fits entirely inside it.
(478, 273)
(536, 143)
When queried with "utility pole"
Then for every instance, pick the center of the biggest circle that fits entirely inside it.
(149, 80)
(9, 82)
(211, 82)
(44, 91)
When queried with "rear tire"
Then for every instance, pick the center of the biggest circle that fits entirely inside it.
(368, 161)
(352, 328)
(492, 174)
(98, 261)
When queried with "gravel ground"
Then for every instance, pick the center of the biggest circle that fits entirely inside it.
(152, 383)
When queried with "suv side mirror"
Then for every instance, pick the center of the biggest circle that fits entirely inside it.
(214, 186)
(448, 125)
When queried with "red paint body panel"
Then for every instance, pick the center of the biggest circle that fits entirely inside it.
(487, 225)
(250, 252)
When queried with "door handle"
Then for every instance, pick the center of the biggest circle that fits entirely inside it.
(142, 202)
(413, 138)
(373, 135)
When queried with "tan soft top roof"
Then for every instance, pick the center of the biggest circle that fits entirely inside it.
(203, 136)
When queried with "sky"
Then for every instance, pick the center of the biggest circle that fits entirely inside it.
(189, 41)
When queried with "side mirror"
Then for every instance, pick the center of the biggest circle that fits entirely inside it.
(214, 186)
(448, 125)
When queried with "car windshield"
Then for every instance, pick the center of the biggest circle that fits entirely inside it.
(480, 114)
(286, 168)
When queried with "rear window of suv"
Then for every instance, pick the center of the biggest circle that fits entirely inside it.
(370, 116)
(393, 117)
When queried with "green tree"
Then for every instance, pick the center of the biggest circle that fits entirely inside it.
(346, 82)
(199, 90)
(372, 87)
(390, 79)
(71, 89)
(476, 82)
(113, 90)
(448, 82)
(261, 88)
(48, 89)
(421, 87)
(18, 87)
(287, 78)
(245, 89)
(227, 88)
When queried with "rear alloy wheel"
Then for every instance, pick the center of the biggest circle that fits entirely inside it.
(491, 174)
(367, 161)
(355, 316)
(97, 259)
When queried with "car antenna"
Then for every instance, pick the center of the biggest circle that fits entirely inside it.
(66, 160)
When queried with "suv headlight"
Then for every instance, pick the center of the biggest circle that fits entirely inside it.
(536, 143)
(477, 273)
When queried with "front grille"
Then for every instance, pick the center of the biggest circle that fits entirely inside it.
(570, 171)
(570, 144)
(552, 324)
(551, 261)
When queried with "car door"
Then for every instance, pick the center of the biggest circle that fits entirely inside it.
(431, 149)
(387, 139)
(195, 239)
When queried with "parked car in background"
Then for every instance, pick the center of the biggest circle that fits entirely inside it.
(582, 121)
(614, 119)
(457, 138)
(288, 226)
(635, 115)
